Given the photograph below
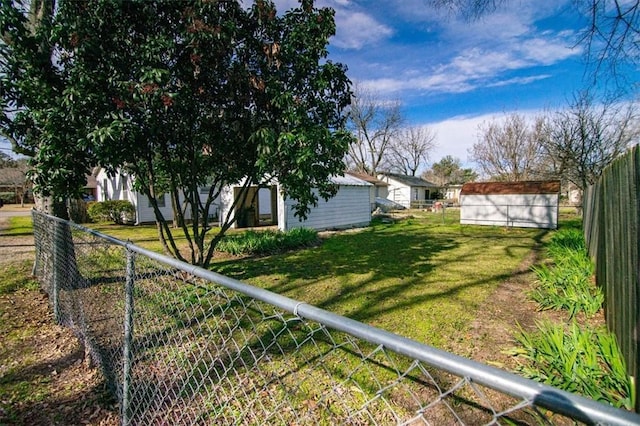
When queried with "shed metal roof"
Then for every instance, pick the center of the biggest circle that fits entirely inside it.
(503, 188)
(348, 180)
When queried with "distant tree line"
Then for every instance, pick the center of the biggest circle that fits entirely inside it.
(573, 144)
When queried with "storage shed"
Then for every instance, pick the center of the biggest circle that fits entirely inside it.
(530, 204)
(349, 208)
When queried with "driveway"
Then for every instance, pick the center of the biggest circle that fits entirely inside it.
(11, 210)
(14, 247)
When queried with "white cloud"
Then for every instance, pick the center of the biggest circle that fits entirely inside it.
(547, 51)
(480, 67)
(519, 80)
(356, 30)
(457, 135)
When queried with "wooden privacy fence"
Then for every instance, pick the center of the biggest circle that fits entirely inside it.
(611, 210)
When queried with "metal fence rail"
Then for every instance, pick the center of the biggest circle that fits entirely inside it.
(183, 345)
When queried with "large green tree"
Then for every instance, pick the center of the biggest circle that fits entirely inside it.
(182, 95)
(448, 171)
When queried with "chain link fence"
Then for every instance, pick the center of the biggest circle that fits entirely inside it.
(182, 345)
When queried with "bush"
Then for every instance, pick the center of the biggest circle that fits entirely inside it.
(7, 197)
(267, 242)
(586, 361)
(568, 283)
(117, 211)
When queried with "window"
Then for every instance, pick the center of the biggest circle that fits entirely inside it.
(105, 195)
(125, 186)
(160, 199)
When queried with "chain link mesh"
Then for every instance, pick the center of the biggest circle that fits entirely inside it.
(201, 353)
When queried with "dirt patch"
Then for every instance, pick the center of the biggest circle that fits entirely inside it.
(491, 333)
(43, 377)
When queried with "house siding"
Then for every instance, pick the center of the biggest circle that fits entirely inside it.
(519, 210)
(349, 208)
(111, 188)
(402, 190)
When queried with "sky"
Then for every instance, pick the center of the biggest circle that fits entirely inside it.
(454, 74)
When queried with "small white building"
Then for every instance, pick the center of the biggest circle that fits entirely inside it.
(409, 191)
(349, 208)
(378, 188)
(120, 187)
(264, 206)
(531, 204)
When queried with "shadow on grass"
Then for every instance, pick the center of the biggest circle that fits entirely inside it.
(386, 268)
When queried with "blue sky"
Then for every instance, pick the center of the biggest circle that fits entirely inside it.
(453, 74)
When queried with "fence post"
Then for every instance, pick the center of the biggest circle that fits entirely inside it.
(128, 337)
(57, 259)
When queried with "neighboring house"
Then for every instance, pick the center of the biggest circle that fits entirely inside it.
(378, 188)
(120, 187)
(532, 204)
(409, 191)
(452, 193)
(349, 208)
(13, 185)
(264, 206)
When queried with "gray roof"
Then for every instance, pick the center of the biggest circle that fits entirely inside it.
(410, 180)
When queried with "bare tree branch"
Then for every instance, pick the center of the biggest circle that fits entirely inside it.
(412, 149)
(374, 124)
(508, 151)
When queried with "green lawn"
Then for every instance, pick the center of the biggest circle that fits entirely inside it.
(423, 277)
(419, 277)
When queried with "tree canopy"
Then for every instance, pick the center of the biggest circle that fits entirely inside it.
(448, 171)
(180, 95)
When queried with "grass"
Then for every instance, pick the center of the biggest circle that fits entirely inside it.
(267, 242)
(421, 277)
(15, 276)
(19, 226)
(578, 358)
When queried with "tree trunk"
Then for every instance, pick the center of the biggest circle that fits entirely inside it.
(51, 206)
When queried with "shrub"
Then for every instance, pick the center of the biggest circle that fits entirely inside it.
(117, 211)
(568, 283)
(585, 361)
(7, 197)
(267, 242)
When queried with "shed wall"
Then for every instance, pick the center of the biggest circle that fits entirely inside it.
(519, 210)
(349, 208)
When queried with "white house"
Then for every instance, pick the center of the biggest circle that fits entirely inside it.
(408, 191)
(120, 187)
(264, 206)
(532, 204)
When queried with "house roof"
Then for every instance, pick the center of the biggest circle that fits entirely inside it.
(410, 180)
(526, 187)
(11, 176)
(348, 180)
(367, 178)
